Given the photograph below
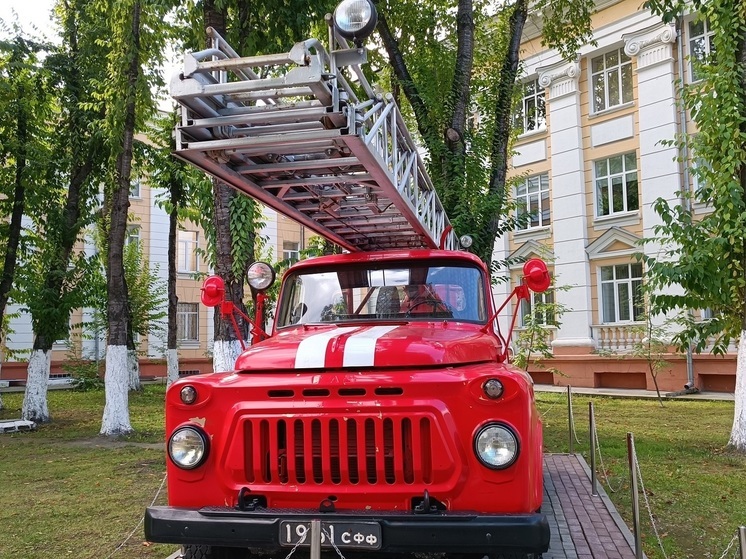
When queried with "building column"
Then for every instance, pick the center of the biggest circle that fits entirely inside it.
(659, 172)
(569, 222)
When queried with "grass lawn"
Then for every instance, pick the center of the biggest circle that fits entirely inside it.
(66, 492)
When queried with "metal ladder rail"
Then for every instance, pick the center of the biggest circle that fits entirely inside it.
(223, 135)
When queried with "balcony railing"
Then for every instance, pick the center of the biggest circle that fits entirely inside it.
(618, 337)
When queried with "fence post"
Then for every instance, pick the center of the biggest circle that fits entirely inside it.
(569, 418)
(742, 541)
(315, 539)
(632, 459)
(592, 429)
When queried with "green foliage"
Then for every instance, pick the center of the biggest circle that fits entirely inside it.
(87, 374)
(705, 254)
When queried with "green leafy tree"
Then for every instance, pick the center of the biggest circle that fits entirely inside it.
(457, 65)
(25, 102)
(707, 254)
(134, 33)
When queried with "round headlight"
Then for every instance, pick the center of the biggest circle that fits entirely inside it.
(187, 447)
(260, 275)
(493, 388)
(188, 395)
(496, 446)
(355, 19)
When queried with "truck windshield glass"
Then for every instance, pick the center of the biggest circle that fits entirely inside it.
(399, 292)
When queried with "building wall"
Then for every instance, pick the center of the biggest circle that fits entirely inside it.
(587, 248)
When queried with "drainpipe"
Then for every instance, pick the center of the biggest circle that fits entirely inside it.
(685, 199)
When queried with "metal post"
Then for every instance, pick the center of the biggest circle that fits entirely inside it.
(632, 458)
(315, 539)
(569, 418)
(742, 541)
(592, 429)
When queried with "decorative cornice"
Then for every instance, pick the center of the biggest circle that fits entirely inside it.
(651, 45)
(560, 78)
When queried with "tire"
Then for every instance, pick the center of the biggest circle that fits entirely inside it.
(212, 552)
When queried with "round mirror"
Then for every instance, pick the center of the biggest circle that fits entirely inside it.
(260, 275)
(536, 275)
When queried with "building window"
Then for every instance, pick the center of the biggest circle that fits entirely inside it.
(701, 45)
(187, 322)
(188, 243)
(621, 293)
(541, 307)
(133, 234)
(290, 251)
(532, 199)
(611, 80)
(135, 187)
(531, 112)
(616, 184)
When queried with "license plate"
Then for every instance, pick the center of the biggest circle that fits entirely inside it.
(359, 535)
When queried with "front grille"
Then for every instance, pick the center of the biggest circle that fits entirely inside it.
(364, 450)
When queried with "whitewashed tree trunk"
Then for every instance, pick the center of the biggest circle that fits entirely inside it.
(738, 432)
(133, 368)
(35, 398)
(172, 366)
(116, 419)
(224, 355)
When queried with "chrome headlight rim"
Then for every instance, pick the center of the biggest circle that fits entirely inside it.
(505, 428)
(203, 440)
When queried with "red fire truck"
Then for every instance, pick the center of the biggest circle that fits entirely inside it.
(381, 403)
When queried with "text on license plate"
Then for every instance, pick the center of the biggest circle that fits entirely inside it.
(365, 535)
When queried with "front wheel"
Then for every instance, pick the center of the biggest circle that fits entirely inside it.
(212, 552)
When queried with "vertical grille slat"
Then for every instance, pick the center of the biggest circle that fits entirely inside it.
(315, 450)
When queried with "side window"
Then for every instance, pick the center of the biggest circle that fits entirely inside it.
(621, 297)
(532, 199)
(611, 80)
(531, 111)
(616, 184)
(187, 322)
(187, 242)
(701, 45)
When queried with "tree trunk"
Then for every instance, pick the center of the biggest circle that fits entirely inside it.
(116, 411)
(738, 431)
(35, 398)
(172, 355)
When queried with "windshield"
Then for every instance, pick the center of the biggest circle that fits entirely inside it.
(387, 292)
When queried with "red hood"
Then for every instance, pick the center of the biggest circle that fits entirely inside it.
(390, 345)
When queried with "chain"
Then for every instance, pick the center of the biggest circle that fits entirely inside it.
(603, 468)
(298, 544)
(334, 545)
(647, 503)
(121, 545)
(727, 549)
(550, 408)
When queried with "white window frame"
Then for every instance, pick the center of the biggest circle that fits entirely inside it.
(528, 306)
(290, 251)
(612, 289)
(706, 37)
(533, 102)
(133, 234)
(187, 323)
(136, 188)
(625, 174)
(621, 71)
(524, 196)
(187, 261)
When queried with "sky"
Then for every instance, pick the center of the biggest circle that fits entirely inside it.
(30, 13)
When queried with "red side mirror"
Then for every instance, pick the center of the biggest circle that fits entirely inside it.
(536, 275)
(213, 291)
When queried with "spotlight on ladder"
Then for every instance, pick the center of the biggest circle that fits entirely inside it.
(355, 20)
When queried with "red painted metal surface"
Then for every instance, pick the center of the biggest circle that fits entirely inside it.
(372, 412)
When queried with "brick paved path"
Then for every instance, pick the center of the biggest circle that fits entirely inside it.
(583, 526)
